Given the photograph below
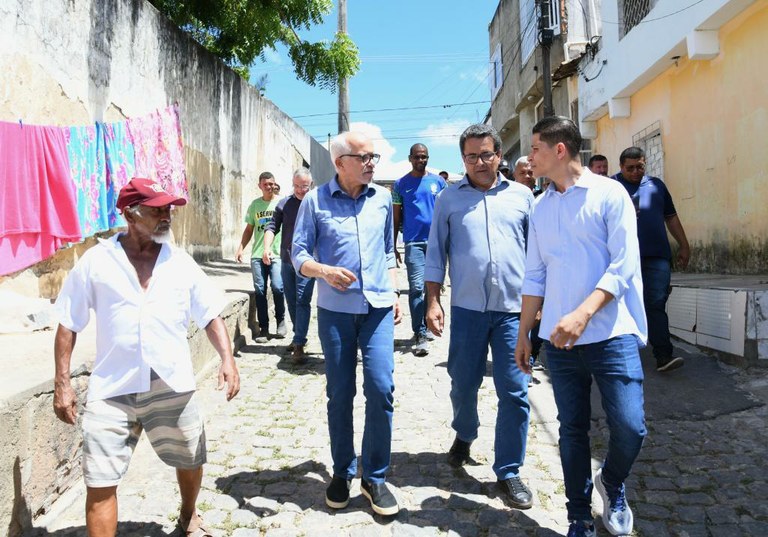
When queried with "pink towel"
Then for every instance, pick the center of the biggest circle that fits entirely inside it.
(38, 203)
(159, 150)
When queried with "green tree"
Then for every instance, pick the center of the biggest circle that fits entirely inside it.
(238, 31)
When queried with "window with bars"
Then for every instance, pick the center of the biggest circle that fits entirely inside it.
(632, 12)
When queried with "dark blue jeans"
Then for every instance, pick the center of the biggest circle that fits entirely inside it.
(298, 295)
(261, 273)
(341, 334)
(615, 366)
(415, 261)
(471, 334)
(657, 276)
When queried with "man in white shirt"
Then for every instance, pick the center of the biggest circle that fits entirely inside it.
(144, 293)
(583, 262)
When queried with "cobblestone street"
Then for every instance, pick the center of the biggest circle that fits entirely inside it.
(702, 471)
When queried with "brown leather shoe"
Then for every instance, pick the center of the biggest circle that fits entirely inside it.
(298, 355)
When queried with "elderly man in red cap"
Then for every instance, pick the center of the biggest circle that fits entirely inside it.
(143, 292)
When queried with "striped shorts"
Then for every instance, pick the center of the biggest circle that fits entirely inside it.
(112, 427)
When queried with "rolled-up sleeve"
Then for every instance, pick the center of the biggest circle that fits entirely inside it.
(437, 245)
(304, 233)
(534, 283)
(389, 239)
(623, 246)
(206, 300)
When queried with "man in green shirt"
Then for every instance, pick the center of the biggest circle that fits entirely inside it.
(257, 218)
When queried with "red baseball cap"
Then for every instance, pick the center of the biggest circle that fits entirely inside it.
(146, 192)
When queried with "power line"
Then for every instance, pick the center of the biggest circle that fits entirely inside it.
(395, 109)
(644, 21)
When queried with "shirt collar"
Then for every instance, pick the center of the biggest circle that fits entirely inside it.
(335, 188)
(500, 179)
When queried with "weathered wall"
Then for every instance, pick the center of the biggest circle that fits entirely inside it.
(713, 117)
(72, 62)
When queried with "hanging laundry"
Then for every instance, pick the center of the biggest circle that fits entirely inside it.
(88, 168)
(121, 166)
(38, 207)
(159, 150)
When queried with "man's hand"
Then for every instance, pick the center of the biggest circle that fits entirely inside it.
(523, 352)
(338, 277)
(435, 318)
(239, 255)
(569, 329)
(397, 310)
(266, 258)
(229, 375)
(683, 256)
(398, 257)
(65, 403)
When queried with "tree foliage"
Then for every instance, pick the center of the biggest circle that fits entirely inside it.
(238, 31)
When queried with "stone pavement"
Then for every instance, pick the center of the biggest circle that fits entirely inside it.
(702, 471)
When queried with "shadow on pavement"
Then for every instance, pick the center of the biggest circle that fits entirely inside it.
(264, 492)
(124, 529)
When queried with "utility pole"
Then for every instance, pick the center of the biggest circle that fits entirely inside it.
(343, 82)
(546, 36)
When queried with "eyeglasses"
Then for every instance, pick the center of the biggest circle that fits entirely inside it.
(365, 158)
(301, 187)
(635, 167)
(487, 157)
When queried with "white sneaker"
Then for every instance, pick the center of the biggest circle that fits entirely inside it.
(617, 516)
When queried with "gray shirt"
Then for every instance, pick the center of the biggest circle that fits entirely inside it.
(483, 235)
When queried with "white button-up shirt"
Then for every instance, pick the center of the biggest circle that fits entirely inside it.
(136, 330)
(581, 240)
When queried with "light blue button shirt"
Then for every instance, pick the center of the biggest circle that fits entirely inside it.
(581, 240)
(483, 235)
(356, 234)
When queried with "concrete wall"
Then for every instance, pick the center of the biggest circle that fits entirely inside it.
(713, 118)
(72, 62)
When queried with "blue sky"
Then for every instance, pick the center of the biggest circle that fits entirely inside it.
(414, 54)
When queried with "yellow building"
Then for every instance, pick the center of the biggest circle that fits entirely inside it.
(690, 85)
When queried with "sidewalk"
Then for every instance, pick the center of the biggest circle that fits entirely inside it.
(702, 471)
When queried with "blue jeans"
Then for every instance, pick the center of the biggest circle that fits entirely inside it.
(341, 334)
(471, 333)
(415, 260)
(261, 273)
(298, 295)
(615, 366)
(657, 275)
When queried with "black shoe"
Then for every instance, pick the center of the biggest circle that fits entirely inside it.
(458, 455)
(382, 501)
(669, 363)
(263, 336)
(337, 493)
(517, 494)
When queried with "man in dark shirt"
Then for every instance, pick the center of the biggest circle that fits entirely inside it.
(655, 214)
(298, 289)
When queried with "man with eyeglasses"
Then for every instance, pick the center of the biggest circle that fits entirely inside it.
(655, 215)
(297, 288)
(143, 292)
(258, 216)
(479, 232)
(344, 238)
(413, 202)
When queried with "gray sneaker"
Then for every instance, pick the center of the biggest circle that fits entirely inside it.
(421, 345)
(669, 363)
(263, 336)
(282, 331)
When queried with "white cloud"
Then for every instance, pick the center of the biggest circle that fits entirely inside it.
(478, 74)
(388, 168)
(445, 133)
(272, 56)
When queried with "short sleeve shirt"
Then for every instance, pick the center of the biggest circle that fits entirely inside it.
(259, 215)
(417, 196)
(655, 205)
